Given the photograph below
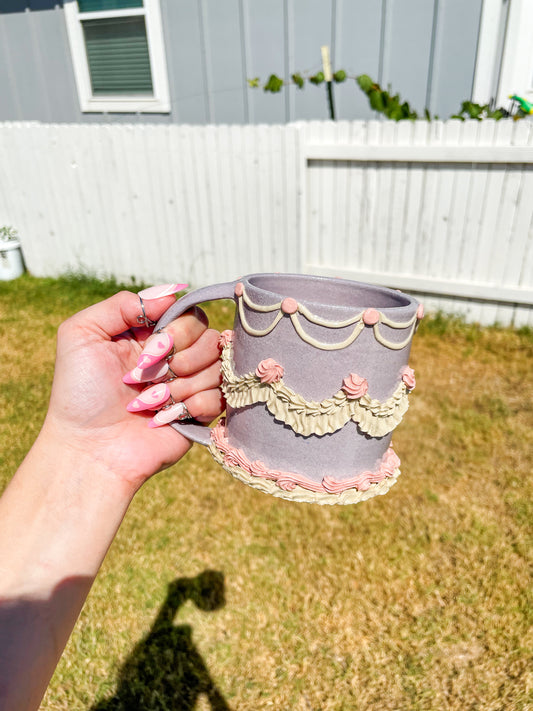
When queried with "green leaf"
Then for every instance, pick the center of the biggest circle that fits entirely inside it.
(253, 83)
(376, 100)
(298, 80)
(396, 114)
(365, 82)
(339, 76)
(317, 78)
(273, 84)
(411, 113)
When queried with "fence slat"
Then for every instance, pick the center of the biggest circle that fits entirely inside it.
(443, 209)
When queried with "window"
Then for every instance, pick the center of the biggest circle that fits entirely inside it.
(118, 55)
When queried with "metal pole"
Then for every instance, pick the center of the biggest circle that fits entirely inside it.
(326, 66)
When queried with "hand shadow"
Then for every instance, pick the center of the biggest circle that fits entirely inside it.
(165, 672)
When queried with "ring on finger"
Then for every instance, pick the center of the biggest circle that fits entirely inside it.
(171, 402)
(172, 375)
(143, 319)
(176, 412)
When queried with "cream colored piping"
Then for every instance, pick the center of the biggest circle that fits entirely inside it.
(326, 346)
(253, 331)
(298, 487)
(258, 307)
(372, 416)
(318, 321)
(328, 324)
(301, 495)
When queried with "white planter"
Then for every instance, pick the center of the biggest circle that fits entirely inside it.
(11, 263)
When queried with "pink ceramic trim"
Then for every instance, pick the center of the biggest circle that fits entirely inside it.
(268, 371)
(234, 457)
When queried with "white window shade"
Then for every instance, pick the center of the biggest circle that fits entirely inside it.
(118, 55)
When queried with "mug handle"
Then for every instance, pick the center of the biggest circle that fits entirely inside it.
(191, 429)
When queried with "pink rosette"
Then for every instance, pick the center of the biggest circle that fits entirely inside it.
(268, 371)
(236, 458)
(258, 469)
(364, 481)
(285, 481)
(355, 386)
(390, 462)
(408, 377)
(218, 437)
(225, 338)
(332, 486)
(242, 460)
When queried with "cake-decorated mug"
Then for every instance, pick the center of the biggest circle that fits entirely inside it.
(316, 377)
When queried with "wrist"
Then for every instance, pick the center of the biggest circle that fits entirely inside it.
(59, 514)
(81, 454)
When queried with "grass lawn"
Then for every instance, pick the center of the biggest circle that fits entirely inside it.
(216, 596)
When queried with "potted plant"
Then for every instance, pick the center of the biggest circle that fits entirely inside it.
(11, 263)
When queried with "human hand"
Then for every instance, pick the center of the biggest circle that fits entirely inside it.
(88, 406)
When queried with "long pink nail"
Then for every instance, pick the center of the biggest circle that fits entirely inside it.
(156, 292)
(156, 348)
(150, 399)
(169, 414)
(146, 375)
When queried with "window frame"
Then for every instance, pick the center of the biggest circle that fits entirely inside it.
(504, 62)
(516, 76)
(89, 103)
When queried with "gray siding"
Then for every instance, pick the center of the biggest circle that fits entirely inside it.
(425, 49)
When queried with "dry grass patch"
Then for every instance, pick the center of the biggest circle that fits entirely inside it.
(420, 599)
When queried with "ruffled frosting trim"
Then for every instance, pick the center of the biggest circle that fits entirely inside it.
(296, 487)
(305, 417)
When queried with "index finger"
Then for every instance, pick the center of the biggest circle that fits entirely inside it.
(119, 313)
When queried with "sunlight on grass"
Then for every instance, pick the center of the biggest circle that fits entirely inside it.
(420, 599)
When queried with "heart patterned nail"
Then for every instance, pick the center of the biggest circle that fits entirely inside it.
(156, 292)
(178, 411)
(157, 347)
(153, 374)
(150, 399)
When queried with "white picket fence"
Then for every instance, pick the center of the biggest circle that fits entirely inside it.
(443, 210)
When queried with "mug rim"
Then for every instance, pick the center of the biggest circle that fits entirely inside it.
(402, 301)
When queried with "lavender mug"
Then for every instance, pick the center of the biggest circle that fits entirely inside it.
(316, 377)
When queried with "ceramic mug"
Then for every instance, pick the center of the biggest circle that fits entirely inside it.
(316, 377)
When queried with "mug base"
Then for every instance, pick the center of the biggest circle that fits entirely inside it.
(298, 493)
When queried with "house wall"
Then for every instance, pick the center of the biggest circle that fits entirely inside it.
(426, 50)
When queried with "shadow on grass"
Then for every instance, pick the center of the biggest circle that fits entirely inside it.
(165, 672)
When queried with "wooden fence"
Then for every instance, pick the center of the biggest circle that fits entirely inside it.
(440, 209)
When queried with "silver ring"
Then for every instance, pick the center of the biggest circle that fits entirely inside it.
(143, 319)
(170, 404)
(173, 375)
(185, 414)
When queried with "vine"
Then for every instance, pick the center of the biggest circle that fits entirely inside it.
(391, 105)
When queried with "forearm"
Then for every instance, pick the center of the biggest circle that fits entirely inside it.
(58, 517)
